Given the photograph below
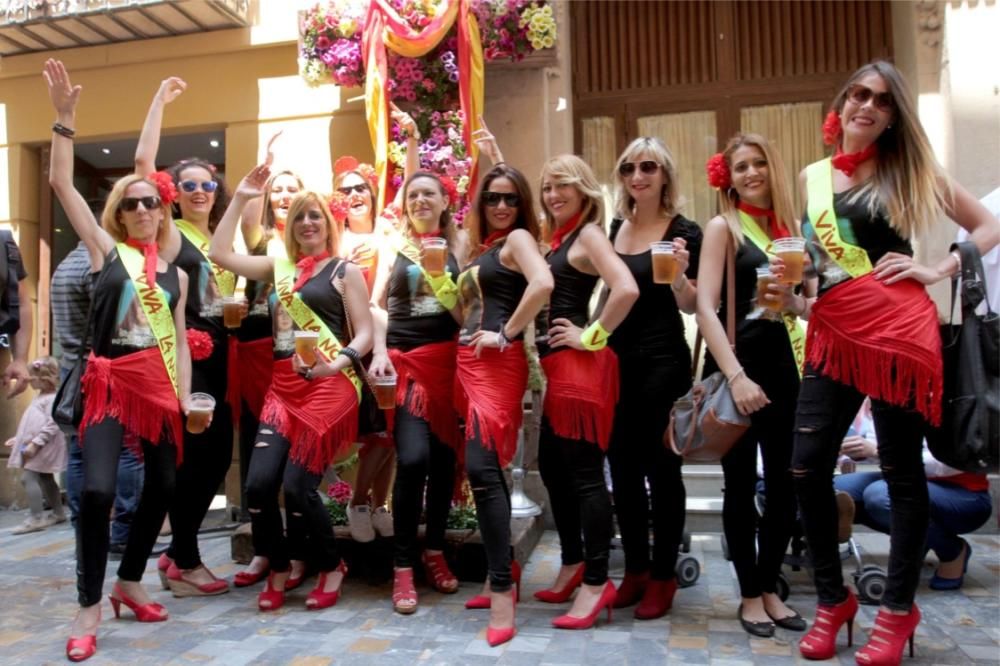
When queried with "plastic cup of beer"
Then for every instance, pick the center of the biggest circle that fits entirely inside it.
(435, 255)
(305, 346)
(200, 408)
(385, 391)
(765, 278)
(232, 311)
(792, 251)
(664, 262)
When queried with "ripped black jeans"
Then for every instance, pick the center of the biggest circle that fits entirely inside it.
(825, 411)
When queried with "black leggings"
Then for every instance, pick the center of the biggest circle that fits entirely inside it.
(489, 489)
(307, 517)
(825, 411)
(573, 472)
(102, 445)
(207, 457)
(247, 438)
(422, 460)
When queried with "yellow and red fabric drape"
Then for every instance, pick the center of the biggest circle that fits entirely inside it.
(384, 27)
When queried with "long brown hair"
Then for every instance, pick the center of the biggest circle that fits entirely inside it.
(445, 223)
(478, 228)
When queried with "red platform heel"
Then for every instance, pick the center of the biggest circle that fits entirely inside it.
(631, 590)
(821, 640)
(552, 596)
(438, 574)
(182, 587)
(269, 598)
(889, 636)
(606, 600)
(162, 565)
(318, 599)
(481, 601)
(404, 594)
(151, 612)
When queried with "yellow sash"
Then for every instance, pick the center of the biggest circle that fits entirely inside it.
(156, 307)
(796, 334)
(404, 246)
(819, 188)
(223, 278)
(306, 319)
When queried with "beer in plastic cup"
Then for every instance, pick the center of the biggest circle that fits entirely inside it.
(792, 252)
(385, 391)
(764, 278)
(305, 346)
(232, 311)
(435, 255)
(200, 408)
(664, 262)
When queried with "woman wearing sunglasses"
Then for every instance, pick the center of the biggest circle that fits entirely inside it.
(201, 200)
(581, 385)
(763, 370)
(654, 364)
(501, 292)
(138, 373)
(310, 412)
(873, 331)
(415, 342)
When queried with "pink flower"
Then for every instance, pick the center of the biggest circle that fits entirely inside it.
(322, 42)
(340, 491)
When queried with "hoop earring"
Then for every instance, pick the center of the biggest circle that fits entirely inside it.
(731, 193)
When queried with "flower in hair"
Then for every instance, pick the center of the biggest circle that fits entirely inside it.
(718, 172)
(200, 343)
(165, 186)
(339, 206)
(451, 189)
(831, 128)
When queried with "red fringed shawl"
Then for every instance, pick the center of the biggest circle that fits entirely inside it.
(425, 380)
(253, 373)
(581, 394)
(490, 391)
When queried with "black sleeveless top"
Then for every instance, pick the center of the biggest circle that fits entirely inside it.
(257, 324)
(204, 300)
(571, 293)
(416, 316)
(322, 298)
(489, 293)
(118, 325)
(653, 327)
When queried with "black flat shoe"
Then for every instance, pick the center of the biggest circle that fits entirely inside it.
(792, 622)
(761, 629)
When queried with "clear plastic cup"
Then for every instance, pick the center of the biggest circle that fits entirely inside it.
(200, 409)
(765, 278)
(792, 251)
(232, 311)
(385, 391)
(434, 258)
(305, 346)
(664, 262)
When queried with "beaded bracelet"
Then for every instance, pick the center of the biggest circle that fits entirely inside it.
(350, 353)
(62, 130)
(502, 339)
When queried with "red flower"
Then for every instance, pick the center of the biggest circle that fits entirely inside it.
(718, 172)
(831, 128)
(368, 172)
(340, 492)
(200, 343)
(451, 189)
(165, 186)
(338, 207)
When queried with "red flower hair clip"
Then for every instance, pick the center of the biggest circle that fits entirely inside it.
(200, 343)
(350, 163)
(338, 206)
(164, 186)
(718, 172)
(451, 189)
(831, 128)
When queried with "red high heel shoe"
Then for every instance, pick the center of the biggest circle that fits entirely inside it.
(481, 601)
(497, 637)
(606, 600)
(821, 640)
(151, 612)
(552, 596)
(318, 599)
(248, 578)
(162, 565)
(892, 632)
(657, 600)
(274, 599)
(85, 647)
(182, 587)
(631, 590)
(438, 574)
(404, 594)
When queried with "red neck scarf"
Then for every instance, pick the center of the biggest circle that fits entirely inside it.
(149, 251)
(307, 266)
(430, 234)
(279, 226)
(849, 163)
(775, 229)
(494, 237)
(560, 234)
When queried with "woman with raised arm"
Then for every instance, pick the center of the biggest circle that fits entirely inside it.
(417, 323)
(138, 374)
(873, 330)
(201, 201)
(310, 414)
(762, 371)
(654, 365)
(501, 292)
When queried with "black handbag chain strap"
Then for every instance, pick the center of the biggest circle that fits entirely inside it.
(730, 309)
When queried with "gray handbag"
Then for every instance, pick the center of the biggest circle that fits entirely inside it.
(705, 423)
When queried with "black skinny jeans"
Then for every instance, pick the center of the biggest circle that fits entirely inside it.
(489, 490)
(102, 445)
(207, 457)
(307, 517)
(247, 438)
(649, 386)
(825, 411)
(573, 473)
(422, 461)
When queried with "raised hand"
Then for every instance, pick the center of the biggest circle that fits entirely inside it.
(170, 89)
(269, 156)
(62, 92)
(252, 185)
(405, 121)
(487, 142)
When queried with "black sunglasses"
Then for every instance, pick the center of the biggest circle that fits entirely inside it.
(860, 95)
(129, 204)
(648, 167)
(360, 188)
(206, 185)
(493, 199)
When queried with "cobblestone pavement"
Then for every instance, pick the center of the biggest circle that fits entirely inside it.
(38, 600)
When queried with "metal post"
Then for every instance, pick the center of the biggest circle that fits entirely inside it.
(522, 506)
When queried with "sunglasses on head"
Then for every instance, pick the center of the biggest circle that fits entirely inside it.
(129, 204)
(648, 167)
(206, 185)
(493, 199)
(360, 188)
(860, 95)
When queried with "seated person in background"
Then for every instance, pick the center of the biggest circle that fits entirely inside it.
(959, 501)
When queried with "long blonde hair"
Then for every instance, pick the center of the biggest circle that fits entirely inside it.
(111, 215)
(298, 207)
(571, 170)
(671, 200)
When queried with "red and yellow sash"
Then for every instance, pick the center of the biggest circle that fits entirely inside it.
(223, 278)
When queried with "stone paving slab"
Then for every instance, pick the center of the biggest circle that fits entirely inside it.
(37, 601)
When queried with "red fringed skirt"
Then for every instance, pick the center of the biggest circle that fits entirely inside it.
(489, 392)
(581, 393)
(250, 369)
(425, 380)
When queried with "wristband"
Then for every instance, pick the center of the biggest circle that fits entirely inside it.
(503, 340)
(736, 375)
(62, 130)
(594, 337)
(350, 353)
(445, 289)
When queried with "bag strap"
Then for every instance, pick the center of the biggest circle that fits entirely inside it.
(973, 279)
(730, 310)
(359, 369)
